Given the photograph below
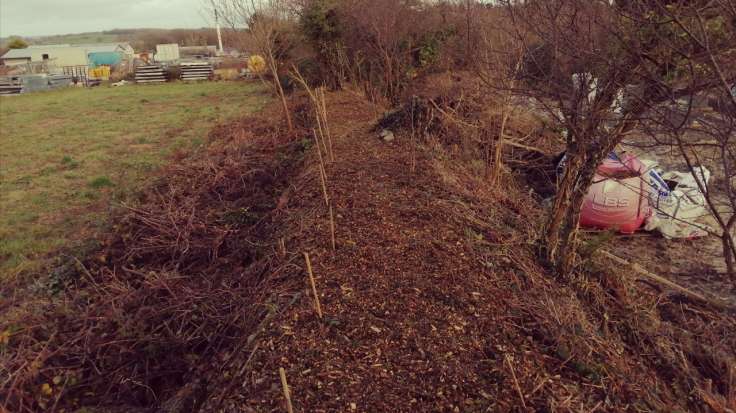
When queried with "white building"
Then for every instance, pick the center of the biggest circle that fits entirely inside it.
(167, 52)
(62, 55)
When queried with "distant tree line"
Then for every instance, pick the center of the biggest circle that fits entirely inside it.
(144, 39)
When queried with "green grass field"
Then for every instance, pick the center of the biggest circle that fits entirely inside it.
(67, 155)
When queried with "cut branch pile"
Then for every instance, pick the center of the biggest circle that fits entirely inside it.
(436, 301)
(462, 116)
(190, 271)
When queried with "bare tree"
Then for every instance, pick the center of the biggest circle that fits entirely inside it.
(581, 56)
(262, 27)
(497, 62)
(702, 34)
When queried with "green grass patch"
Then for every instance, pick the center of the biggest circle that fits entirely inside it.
(101, 182)
(62, 151)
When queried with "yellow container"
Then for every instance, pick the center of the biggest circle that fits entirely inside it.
(101, 72)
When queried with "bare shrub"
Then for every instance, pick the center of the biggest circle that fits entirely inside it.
(380, 45)
(610, 47)
(187, 276)
(265, 28)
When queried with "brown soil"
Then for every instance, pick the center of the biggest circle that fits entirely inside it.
(434, 301)
(434, 298)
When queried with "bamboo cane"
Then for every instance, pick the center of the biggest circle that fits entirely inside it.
(282, 247)
(318, 118)
(326, 124)
(332, 228)
(516, 382)
(287, 393)
(313, 285)
(322, 173)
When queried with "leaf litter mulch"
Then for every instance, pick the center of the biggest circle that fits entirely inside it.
(433, 301)
(433, 298)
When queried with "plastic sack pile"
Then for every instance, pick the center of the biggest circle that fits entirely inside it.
(676, 211)
(629, 194)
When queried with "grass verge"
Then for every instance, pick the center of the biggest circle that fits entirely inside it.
(65, 154)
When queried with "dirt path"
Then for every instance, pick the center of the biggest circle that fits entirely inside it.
(408, 315)
(392, 294)
(433, 301)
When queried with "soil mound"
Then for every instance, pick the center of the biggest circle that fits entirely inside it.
(433, 297)
(434, 300)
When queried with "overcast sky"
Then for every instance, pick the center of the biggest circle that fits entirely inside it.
(48, 17)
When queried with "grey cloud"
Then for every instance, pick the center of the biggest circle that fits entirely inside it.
(47, 17)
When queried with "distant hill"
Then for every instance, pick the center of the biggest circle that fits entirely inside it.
(79, 38)
(141, 39)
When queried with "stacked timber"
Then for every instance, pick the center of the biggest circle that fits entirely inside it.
(10, 85)
(196, 71)
(149, 74)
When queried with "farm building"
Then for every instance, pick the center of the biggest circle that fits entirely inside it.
(59, 55)
(64, 55)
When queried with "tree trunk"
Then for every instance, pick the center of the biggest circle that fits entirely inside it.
(563, 200)
(728, 256)
(569, 233)
(728, 253)
(561, 236)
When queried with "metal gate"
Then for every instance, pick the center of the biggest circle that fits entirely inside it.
(79, 73)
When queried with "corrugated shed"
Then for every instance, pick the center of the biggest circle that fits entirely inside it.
(17, 54)
(59, 55)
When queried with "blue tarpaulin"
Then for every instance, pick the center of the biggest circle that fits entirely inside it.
(105, 58)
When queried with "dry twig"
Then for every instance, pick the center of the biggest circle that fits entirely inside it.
(516, 382)
(650, 275)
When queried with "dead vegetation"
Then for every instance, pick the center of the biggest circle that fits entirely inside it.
(432, 299)
(435, 300)
(456, 111)
(323, 269)
(187, 274)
